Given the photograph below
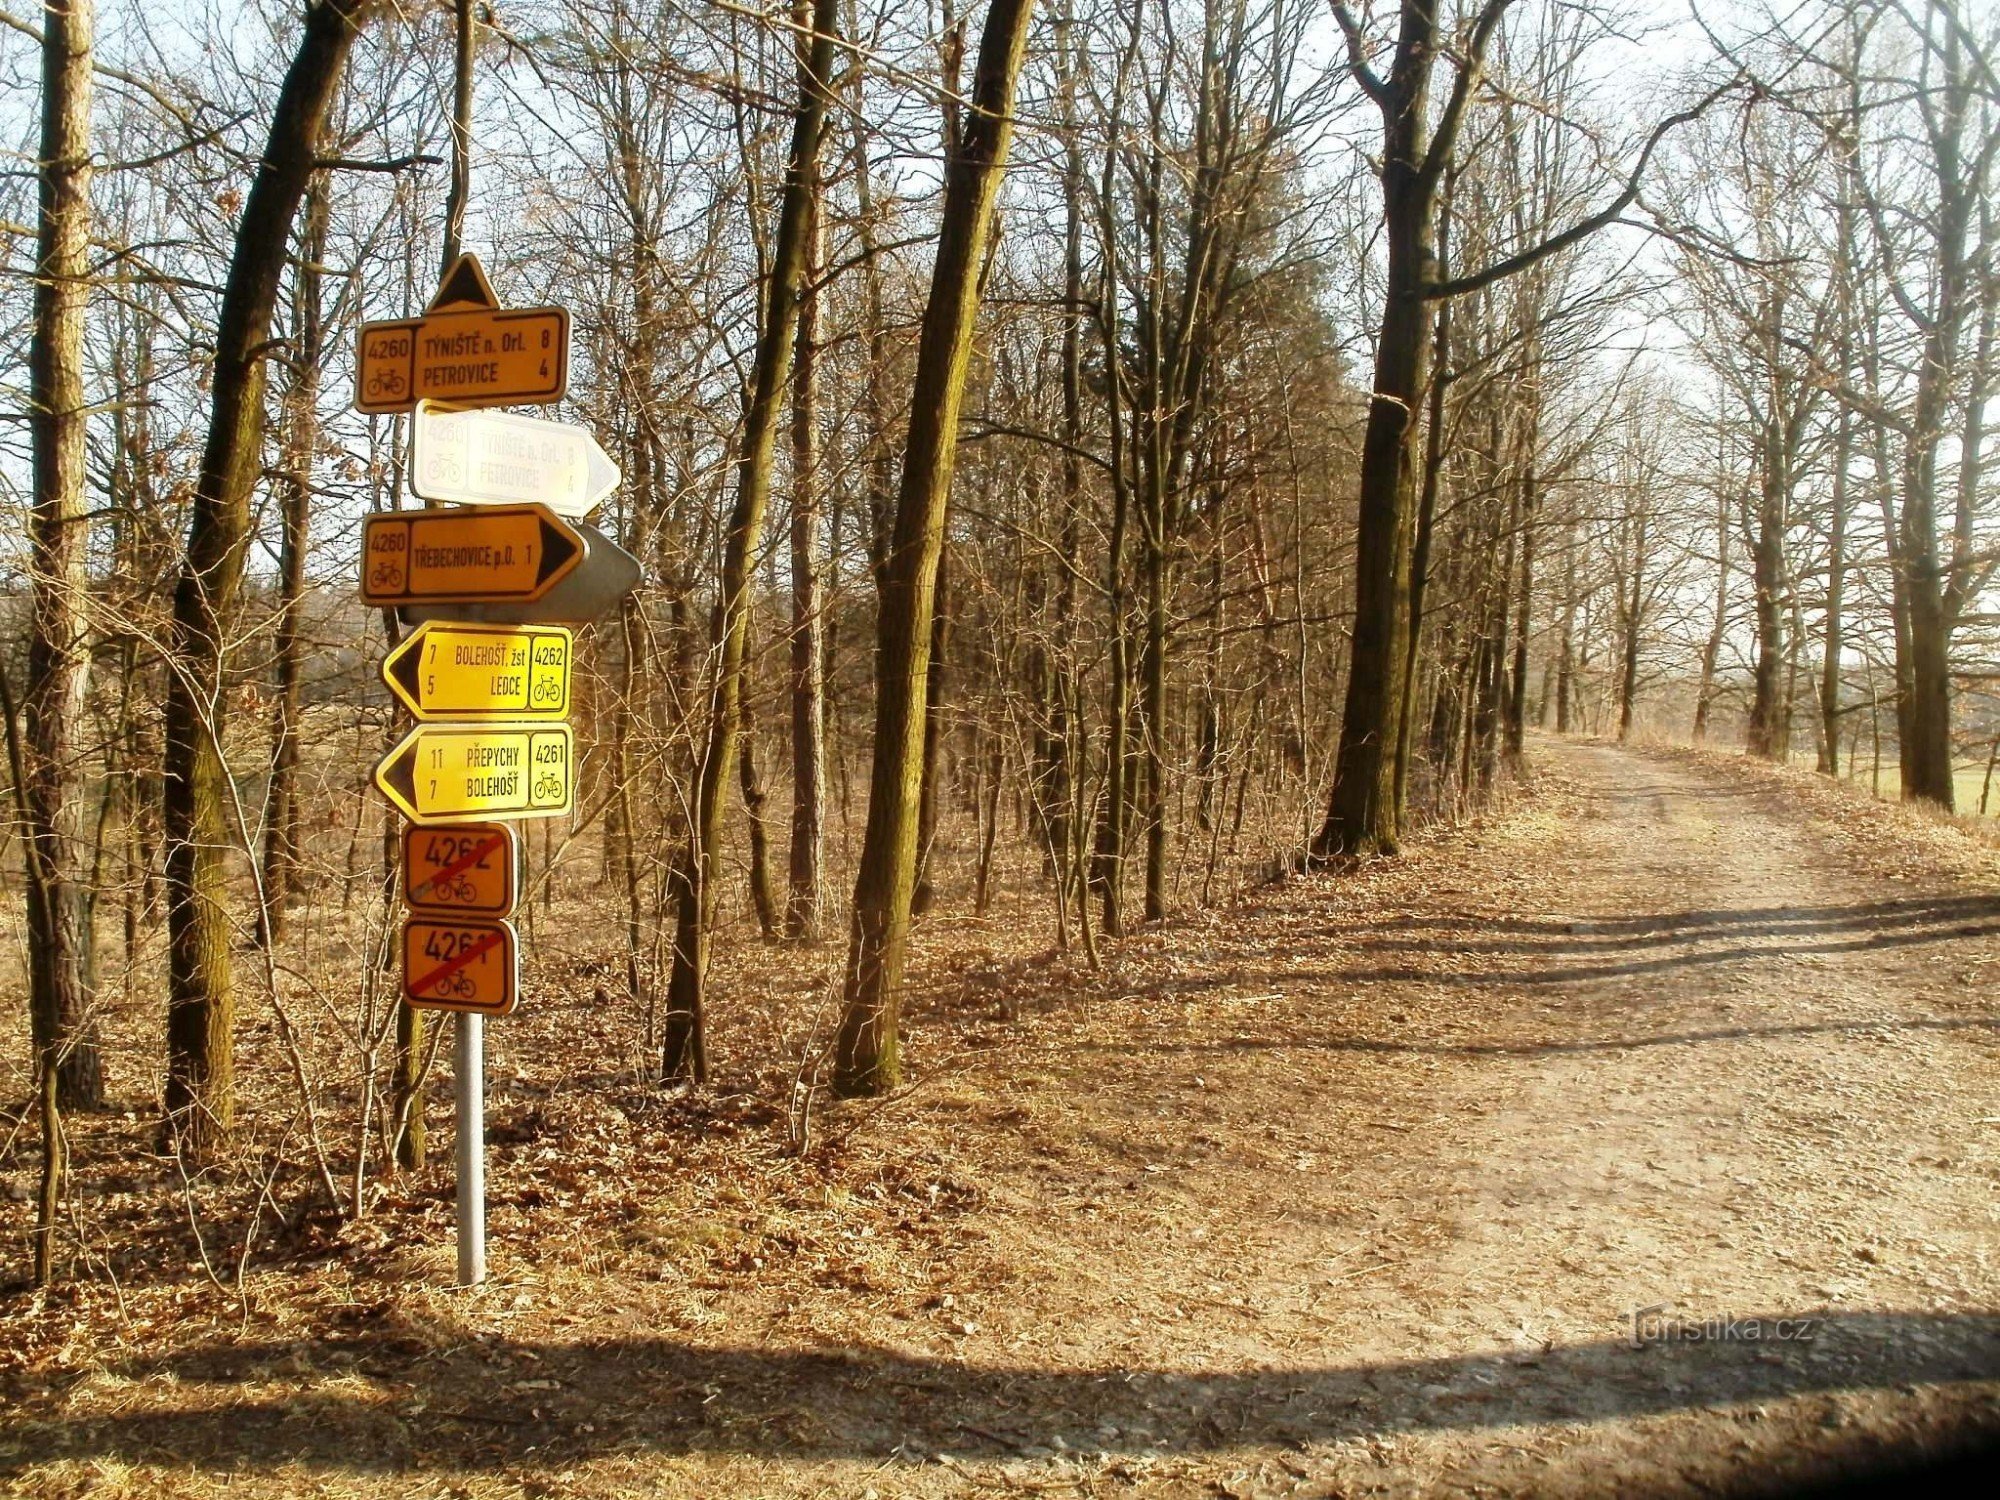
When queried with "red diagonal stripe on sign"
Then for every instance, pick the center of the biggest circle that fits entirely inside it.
(452, 966)
(463, 862)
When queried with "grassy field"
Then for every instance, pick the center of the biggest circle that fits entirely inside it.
(1969, 779)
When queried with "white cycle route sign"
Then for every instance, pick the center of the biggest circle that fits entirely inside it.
(499, 458)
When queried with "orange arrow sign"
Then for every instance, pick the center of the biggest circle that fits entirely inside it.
(497, 554)
(465, 349)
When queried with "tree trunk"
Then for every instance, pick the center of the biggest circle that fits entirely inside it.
(1769, 715)
(1153, 714)
(867, 1053)
(61, 974)
(1634, 607)
(684, 1053)
(1566, 647)
(763, 900)
(1711, 651)
(1362, 815)
(924, 893)
(808, 662)
(200, 1086)
(1517, 695)
(281, 825)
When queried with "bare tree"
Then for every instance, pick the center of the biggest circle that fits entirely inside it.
(868, 1055)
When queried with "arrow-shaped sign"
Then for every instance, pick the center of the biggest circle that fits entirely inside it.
(497, 458)
(442, 773)
(590, 589)
(452, 671)
(465, 348)
(499, 554)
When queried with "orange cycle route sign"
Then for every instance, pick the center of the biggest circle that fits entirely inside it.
(447, 670)
(461, 870)
(444, 773)
(461, 965)
(465, 349)
(499, 554)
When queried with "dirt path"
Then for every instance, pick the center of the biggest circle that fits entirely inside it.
(1352, 1190)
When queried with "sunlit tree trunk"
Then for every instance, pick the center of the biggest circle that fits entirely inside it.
(684, 1049)
(281, 825)
(808, 656)
(867, 1052)
(200, 1087)
(61, 976)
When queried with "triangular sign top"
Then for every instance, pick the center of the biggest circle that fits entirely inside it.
(464, 285)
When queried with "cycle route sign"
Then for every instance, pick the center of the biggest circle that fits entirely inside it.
(461, 870)
(461, 965)
(448, 670)
(442, 773)
(490, 555)
(466, 349)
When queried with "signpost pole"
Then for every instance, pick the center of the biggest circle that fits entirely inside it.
(487, 674)
(471, 1036)
(471, 1079)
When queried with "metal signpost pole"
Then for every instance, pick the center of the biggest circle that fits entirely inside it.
(470, 1067)
(470, 1058)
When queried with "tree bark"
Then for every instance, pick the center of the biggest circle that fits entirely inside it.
(1524, 605)
(1362, 815)
(763, 900)
(1711, 651)
(1770, 717)
(867, 1052)
(61, 971)
(684, 1051)
(924, 893)
(200, 1085)
(808, 661)
(281, 815)
(1632, 607)
(1836, 581)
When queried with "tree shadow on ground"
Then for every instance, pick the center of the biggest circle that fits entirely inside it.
(1335, 1043)
(1658, 927)
(1584, 949)
(435, 1399)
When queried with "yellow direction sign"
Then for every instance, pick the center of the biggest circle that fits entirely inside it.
(461, 965)
(497, 554)
(461, 870)
(465, 349)
(442, 773)
(452, 671)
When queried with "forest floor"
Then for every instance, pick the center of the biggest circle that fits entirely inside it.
(1351, 1188)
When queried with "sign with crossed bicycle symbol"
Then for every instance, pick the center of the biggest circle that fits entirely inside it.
(461, 870)
(462, 965)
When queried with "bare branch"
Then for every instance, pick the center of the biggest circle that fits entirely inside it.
(1500, 270)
